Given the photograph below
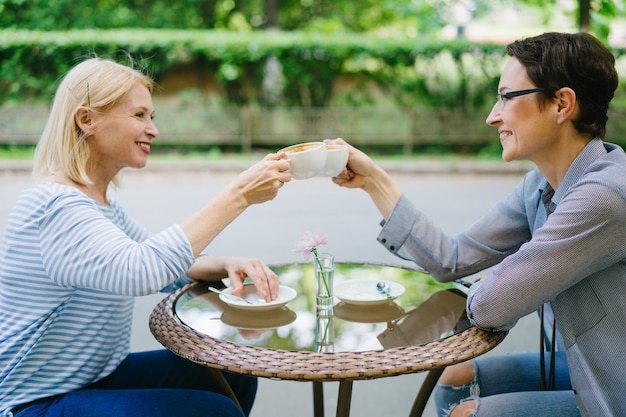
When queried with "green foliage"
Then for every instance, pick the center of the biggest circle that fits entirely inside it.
(411, 70)
(325, 15)
(69, 14)
(600, 13)
(17, 152)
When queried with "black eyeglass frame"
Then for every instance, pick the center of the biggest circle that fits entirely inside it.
(512, 94)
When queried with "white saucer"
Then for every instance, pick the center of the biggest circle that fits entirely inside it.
(285, 294)
(363, 292)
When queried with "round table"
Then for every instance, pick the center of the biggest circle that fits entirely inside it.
(424, 329)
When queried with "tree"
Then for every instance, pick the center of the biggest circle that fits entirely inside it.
(318, 15)
(592, 16)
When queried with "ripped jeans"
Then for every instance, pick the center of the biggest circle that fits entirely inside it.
(509, 386)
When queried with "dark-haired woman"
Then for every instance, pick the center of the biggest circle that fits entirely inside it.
(557, 241)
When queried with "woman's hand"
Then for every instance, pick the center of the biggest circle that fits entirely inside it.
(264, 279)
(261, 181)
(358, 168)
(362, 172)
(209, 268)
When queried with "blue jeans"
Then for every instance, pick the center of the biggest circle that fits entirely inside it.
(509, 386)
(150, 384)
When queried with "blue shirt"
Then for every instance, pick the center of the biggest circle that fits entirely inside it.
(70, 270)
(575, 259)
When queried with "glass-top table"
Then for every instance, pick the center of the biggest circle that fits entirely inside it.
(424, 329)
(356, 327)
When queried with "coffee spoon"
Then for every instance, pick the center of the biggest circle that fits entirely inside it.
(230, 295)
(383, 288)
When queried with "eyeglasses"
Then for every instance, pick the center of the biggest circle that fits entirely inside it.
(511, 94)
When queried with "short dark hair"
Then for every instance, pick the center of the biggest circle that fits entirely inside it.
(575, 60)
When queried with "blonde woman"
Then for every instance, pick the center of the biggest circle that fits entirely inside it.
(73, 261)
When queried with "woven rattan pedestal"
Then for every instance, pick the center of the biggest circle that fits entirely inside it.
(344, 367)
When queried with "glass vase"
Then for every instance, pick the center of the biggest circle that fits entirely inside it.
(325, 333)
(324, 274)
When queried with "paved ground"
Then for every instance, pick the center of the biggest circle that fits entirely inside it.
(349, 220)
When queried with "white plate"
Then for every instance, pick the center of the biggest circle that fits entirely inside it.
(363, 291)
(285, 294)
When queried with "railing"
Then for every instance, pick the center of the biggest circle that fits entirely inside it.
(250, 128)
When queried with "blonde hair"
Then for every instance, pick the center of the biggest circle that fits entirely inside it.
(96, 83)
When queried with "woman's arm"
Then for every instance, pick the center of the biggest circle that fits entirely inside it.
(581, 238)
(257, 184)
(408, 234)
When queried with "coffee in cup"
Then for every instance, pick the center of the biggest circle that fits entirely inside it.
(305, 159)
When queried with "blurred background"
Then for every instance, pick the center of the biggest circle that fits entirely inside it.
(399, 77)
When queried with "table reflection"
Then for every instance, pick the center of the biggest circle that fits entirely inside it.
(426, 311)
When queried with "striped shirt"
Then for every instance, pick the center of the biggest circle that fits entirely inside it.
(70, 270)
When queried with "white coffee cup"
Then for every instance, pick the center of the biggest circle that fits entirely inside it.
(305, 159)
(336, 160)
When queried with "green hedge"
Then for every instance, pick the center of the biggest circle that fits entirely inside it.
(409, 71)
(32, 61)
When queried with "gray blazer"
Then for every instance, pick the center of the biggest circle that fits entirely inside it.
(575, 259)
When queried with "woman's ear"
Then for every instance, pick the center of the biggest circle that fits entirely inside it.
(567, 104)
(84, 119)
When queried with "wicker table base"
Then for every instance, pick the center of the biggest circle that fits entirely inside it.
(317, 367)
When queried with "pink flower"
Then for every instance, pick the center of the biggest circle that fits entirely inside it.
(309, 242)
